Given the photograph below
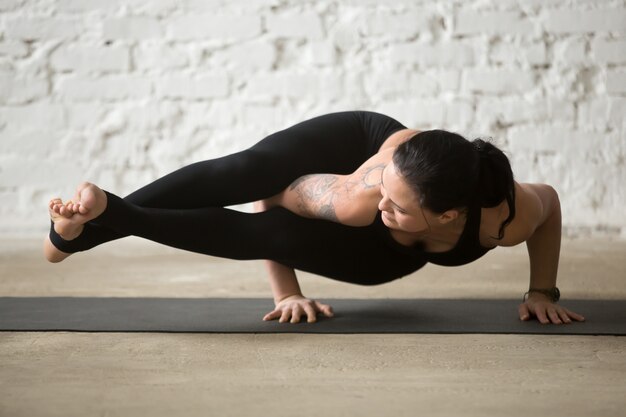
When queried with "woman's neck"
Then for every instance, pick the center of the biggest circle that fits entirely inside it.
(437, 236)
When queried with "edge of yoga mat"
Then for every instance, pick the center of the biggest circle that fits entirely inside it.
(352, 316)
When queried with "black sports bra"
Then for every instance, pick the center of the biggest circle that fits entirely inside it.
(466, 250)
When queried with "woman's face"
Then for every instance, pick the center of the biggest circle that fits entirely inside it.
(400, 206)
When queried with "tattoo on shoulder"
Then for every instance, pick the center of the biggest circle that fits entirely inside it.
(315, 195)
(299, 181)
(372, 176)
(319, 195)
(328, 212)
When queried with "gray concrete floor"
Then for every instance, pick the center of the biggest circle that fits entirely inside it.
(122, 374)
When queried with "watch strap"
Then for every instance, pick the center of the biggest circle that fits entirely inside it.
(552, 293)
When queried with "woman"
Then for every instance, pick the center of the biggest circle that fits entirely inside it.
(354, 196)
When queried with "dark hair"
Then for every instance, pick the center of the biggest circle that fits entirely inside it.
(449, 172)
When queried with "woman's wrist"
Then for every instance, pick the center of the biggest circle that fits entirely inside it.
(553, 294)
(280, 299)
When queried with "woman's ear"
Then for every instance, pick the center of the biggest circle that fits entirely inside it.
(448, 216)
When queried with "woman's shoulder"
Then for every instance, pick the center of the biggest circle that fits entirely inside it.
(533, 203)
(398, 138)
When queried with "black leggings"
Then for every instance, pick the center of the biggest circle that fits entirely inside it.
(185, 209)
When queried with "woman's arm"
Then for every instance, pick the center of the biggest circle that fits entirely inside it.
(538, 223)
(347, 199)
(290, 304)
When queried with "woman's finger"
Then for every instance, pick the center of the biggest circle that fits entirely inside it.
(554, 316)
(272, 315)
(310, 312)
(524, 314)
(563, 315)
(574, 316)
(285, 316)
(324, 309)
(541, 316)
(296, 313)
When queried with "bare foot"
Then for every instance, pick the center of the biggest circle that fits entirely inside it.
(69, 218)
(51, 252)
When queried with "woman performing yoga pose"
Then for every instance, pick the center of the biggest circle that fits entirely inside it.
(353, 196)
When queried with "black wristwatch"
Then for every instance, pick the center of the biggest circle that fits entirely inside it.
(553, 293)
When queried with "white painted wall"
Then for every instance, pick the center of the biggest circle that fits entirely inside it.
(121, 92)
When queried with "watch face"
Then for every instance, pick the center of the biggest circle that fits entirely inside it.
(556, 294)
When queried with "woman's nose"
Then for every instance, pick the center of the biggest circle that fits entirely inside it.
(383, 205)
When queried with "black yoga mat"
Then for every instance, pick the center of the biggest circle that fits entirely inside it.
(243, 315)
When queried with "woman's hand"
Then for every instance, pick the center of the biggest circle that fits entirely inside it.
(546, 311)
(294, 307)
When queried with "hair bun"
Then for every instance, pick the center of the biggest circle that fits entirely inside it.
(485, 149)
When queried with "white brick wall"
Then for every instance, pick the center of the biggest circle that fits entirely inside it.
(120, 92)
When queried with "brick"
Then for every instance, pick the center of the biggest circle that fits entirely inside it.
(382, 4)
(199, 87)
(507, 53)
(306, 25)
(600, 113)
(17, 90)
(574, 146)
(88, 58)
(385, 85)
(617, 110)
(103, 88)
(508, 110)
(447, 80)
(583, 21)
(147, 56)
(354, 89)
(616, 81)
(344, 35)
(6, 5)
(561, 111)
(221, 113)
(70, 6)
(321, 53)
(85, 114)
(130, 7)
(255, 55)
(163, 115)
(43, 29)
(14, 49)
(416, 114)
(132, 28)
(421, 85)
(37, 141)
(295, 85)
(459, 115)
(203, 6)
(262, 115)
(157, 8)
(593, 113)
(497, 81)
(536, 54)
(403, 25)
(570, 51)
(208, 27)
(498, 23)
(44, 115)
(609, 51)
(22, 171)
(444, 54)
(515, 111)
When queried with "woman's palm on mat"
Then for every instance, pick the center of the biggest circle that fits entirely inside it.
(293, 308)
